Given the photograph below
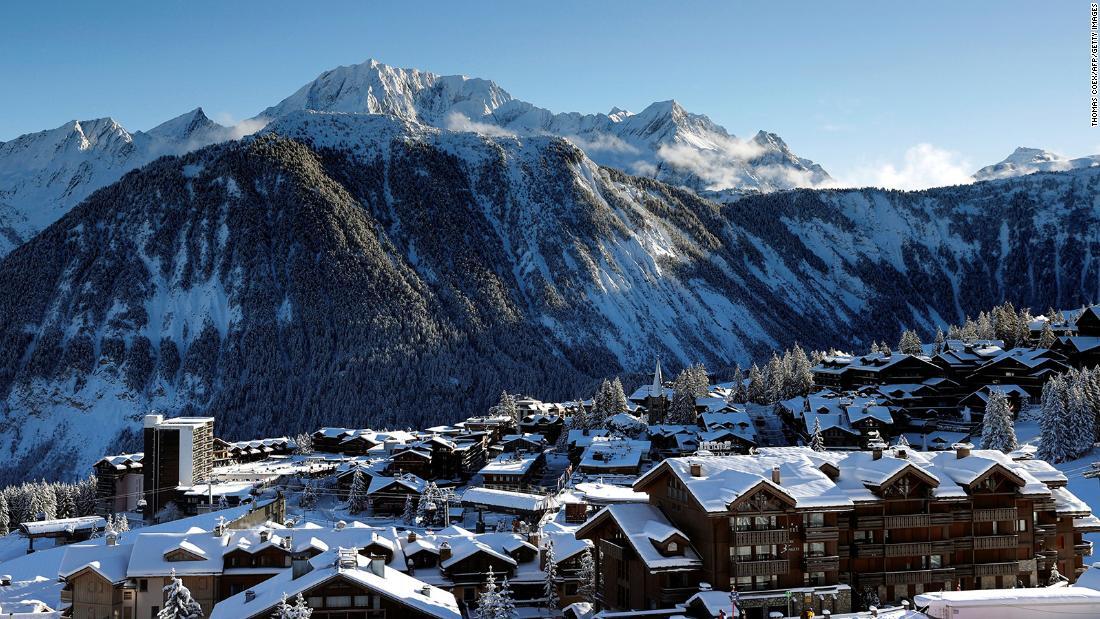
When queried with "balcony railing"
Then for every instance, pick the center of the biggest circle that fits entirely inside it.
(869, 550)
(997, 569)
(963, 543)
(910, 521)
(1084, 548)
(996, 542)
(908, 549)
(994, 515)
(819, 534)
(917, 577)
(760, 568)
(940, 519)
(761, 538)
(821, 564)
(869, 522)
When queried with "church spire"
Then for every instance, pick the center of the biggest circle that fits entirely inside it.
(658, 380)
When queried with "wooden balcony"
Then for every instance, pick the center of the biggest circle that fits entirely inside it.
(994, 515)
(865, 551)
(940, 519)
(66, 596)
(909, 549)
(917, 577)
(997, 569)
(760, 568)
(909, 521)
(761, 538)
(821, 534)
(996, 542)
(962, 515)
(1083, 549)
(869, 522)
(821, 564)
(943, 546)
(963, 543)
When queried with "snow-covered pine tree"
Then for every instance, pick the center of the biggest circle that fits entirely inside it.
(408, 515)
(550, 585)
(121, 523)
(178, 603)
(985, 327)
(775, 380)
(617, 398)
(737, 390)
(506, 602)
(940, 341)
(800, 373)
(1047, 337)
(817, 441)
(690, 384)
(308, 498)
(601, 404)
(586, 588)
(756, 391)
(303, 444)
(298, 609)
(902, 441)
(1056, 441)
(874, 348)
(997, 430)
(910, 343)
(1055, 576)
(4, 513)
(969, 331)
(506, 407)
(1082, 417)
(357, 495)
(488, 601)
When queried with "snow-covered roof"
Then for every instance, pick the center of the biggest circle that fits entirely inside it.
(511, 464)
(122, 461)
(507, 499)
(390, 583)
(640, 523)
(408, 480)
(149, 550)
(63, 525)
(108, 561)
(1033, 598)
(614, 452)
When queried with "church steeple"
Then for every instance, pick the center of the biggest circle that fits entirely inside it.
(658, 380)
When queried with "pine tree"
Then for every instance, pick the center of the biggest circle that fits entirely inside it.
(775, 379)
(121, 523)
(303, 444)
(690, 384)
(586, 589)
(408, 515)
(902, 441)
(357, 496)
(910, 343)
(617, 398)
(1055, 576)
(985, 327)
(308, 499)
(550, 586)
(737, 390)
(178, 603)
(799, 373)
(997, 430)
(506, 601)
(488, 601)
(817, 442)
(1056, 441)
(4, 516)
(1081, 415)
(506, 407)
(296, 610)
(601, 404)
(874, 348)
(756, 391)
(940, 341)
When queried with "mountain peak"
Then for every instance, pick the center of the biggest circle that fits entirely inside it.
(186, 126)
(1026, 160)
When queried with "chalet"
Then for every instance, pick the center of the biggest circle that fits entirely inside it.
(415, 460)
(340, 584)
(95, 580)
(358, 442)
(62, 530)
(643, 560)
(528, 506)
(1080, 350)
(959, 359)
(494, 426)
(510, 443)
(614, 455)
(1087, 322)
(935, 397)
(119, 483)
(1027, 367)
(670, 440)
(895, 521)
(516, 472)
(388, 495)
(226, 452)
(975, 402)
(874, 369)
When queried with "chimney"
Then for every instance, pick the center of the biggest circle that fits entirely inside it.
(219, 528)
(962, 450)
(264, 536)
(153, 420)
(249, 596)
(112, 537)
(340, 525)
(776, 478)
(705, 586)
(378, 565)
(876, 452)
(426, 590)
(696, 469)
(300, 565)
(412, 536)
(444, 551)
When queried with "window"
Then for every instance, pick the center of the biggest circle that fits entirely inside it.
(741, 553)
(765, 552)
(864, 537)
(814, 519)
(315, 602)
(153, 612)
(741, 523)
(143, 585)
(813, 579)
(1021, 525)
(814, 549)
(673, 547)
(935, 562)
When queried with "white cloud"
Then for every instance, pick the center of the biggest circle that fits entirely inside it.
(457, 121)
(240, 128)
(924, 166)
(603, 142)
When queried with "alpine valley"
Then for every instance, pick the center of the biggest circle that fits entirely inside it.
(394, 248)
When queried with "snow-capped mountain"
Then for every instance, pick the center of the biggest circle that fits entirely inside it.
(1030, 160)
(44, 174)
(372, 270)
(663, 141)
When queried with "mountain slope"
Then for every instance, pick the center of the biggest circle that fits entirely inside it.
(1025, 161)
(361, 269)
(44, 174)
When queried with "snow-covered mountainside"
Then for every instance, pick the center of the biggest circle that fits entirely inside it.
(368, 270)
(663, 141)
(44, 174)
(1024, 161)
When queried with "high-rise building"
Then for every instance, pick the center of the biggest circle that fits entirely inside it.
(179, 453)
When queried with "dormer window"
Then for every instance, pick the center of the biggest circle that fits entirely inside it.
(673, 548)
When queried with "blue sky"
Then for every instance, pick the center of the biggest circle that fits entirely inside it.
(864, 88)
